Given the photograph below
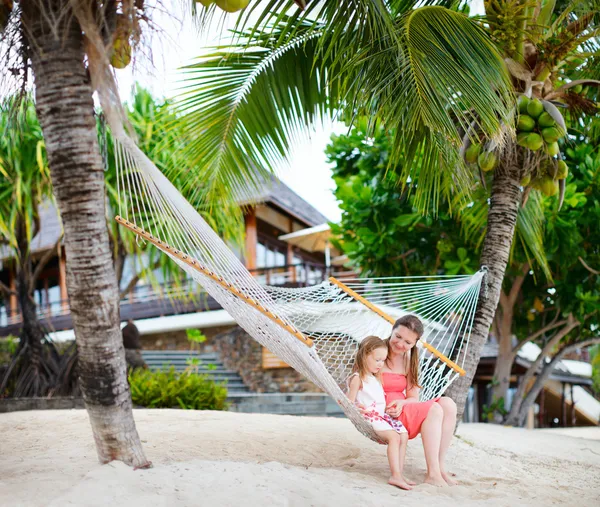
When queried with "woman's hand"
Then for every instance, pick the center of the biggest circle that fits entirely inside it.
(394, 409)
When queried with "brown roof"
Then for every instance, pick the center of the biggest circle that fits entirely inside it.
(278, 193)
(274, 192)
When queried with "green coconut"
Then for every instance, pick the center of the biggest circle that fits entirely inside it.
(487, 161)
(563, 170)
(548, 186)
(525, 123)
(522, 139)
(121, 53)
(522, 103)
(578, 88)
(205, 3)
(534, 142)
(551, 134)
(546, 120)
(232, 5)
(553, 149)
(525, 180)
(535, 108)
(472, 153)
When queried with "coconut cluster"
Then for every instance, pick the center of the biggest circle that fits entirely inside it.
(537, 130)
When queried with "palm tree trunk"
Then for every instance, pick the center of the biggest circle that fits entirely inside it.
(66, 112)
(502, 219)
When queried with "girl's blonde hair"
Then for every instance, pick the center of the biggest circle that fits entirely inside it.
(366, 347)
(416, 326)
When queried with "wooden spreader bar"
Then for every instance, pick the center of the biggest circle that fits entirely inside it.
(391, 320)
(190, 261)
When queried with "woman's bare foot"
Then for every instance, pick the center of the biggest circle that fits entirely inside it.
(436, 481)
(399, 482)
(409, 482)
(449, 480)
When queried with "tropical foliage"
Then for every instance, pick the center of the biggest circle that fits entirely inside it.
(169, 389)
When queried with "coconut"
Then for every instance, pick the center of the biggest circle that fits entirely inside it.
(563, 170)
(578, 88)
(472, 153)
(121, 53)
(525, 180)
(548, 186)
(535, 108)
(551, 134)
(534, 142)
(546, 120)
(522, 103)
(232, 5)
(553, 149)
(525, 123)
(522, 139)
(206, 3)
(486, 161)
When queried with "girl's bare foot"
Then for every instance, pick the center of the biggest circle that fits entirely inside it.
(449, 480)
(436, 481)
(400, 483)
(409, 482)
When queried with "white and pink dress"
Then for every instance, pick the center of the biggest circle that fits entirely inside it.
(372, 397)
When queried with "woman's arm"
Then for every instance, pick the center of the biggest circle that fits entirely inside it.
(395, 407)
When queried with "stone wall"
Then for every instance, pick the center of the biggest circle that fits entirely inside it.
(177, 340)
(241, 353)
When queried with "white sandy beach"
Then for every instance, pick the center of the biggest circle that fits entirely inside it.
(223, 458)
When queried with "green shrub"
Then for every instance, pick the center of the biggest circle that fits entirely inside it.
(168, 389)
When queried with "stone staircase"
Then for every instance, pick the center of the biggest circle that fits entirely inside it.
(208, 363)
(239, 396)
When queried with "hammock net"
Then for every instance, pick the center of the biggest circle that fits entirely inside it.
(316, 330)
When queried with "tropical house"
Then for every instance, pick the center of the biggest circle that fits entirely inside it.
(162, 317)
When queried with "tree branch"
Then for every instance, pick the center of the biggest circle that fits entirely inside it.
(43, 262)
(136, 279)
(7, 290)
(593, 271)
(517, 284)
(537, 334)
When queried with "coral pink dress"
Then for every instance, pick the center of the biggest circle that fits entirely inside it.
(413, 414)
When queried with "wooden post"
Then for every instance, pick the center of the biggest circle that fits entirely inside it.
(541, 415)
(13, 304)
(573, 413)
(62, 279)
(251, 238)
(530, 418)
(563, 405)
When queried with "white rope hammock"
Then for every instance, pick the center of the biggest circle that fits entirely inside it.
(316, 330)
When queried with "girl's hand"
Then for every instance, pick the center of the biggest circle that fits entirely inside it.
(361, 408)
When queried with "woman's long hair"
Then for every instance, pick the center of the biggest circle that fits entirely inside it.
(412, 371)
(366, 347)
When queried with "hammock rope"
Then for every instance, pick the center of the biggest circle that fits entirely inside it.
(316, 330)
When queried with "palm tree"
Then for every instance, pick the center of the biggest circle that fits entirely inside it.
(37, 368)
(445, 82)
(65, 45)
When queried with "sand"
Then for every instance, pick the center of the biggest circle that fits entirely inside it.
(224, 458)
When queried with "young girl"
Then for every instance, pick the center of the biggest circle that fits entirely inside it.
(366, 391)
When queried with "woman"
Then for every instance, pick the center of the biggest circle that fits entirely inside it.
(434, 419)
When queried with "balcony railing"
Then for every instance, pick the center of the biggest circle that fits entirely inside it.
(146, 301)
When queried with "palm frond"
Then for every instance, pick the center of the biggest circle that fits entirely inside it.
(246, 108)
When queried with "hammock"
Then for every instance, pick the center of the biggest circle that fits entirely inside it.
(316, 330)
